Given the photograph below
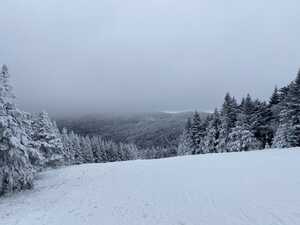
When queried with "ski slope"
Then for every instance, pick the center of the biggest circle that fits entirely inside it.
(253, 188)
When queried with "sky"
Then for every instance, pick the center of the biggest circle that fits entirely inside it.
(81, 57)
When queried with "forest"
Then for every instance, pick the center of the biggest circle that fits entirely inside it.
(31, 143)
(248, 125)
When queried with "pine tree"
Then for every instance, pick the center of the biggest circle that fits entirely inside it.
(261, 123)
(211, 139)
(275, 98)
(67, 143)
(293, 110)
(257, 116)
(228, 119)
(289, 127)
(185, 144)
(95, 144)
(198, 131)
(76, 148)
(47, 135)
(229, 110)
(88, 152)
(241, 138)
(281, 139)
(132, 152)
(247, 105)
(195, 132)
(16, 171)
(283, 92)
(276, 105)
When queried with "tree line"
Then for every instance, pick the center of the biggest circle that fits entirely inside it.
(30, 143)
(250, 124)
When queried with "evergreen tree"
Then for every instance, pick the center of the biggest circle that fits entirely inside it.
(67, 143)
(196, 132)
(16, 171)
(293, 111)
(76, 148)
(211, 139)
(127, 152)
(283, 92)
(241, 138)
(261, 123)
(275, 98)
(185, 144)
(281, 139)
(276, 105)
(290, 116)
(95, 149)
(85, 150)
(229, 110)
(47, 135)
(228, 119)
(257, 116)
(247, 110)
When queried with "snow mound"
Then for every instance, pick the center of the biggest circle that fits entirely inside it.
(251, 188)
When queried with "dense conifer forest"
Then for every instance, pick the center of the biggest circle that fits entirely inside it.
(247, 125)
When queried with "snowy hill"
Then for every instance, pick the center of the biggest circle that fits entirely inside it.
(253, 188)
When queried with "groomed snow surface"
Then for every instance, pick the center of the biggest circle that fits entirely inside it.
(253, 188)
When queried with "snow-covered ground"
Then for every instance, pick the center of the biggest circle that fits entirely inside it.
(253, 188)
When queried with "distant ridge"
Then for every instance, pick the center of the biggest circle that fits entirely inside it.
(161, 129)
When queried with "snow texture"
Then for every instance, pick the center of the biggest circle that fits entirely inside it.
(249, 188)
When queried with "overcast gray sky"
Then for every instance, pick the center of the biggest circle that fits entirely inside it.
(78, 56)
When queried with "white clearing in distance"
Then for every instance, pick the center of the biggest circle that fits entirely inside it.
(252, 188)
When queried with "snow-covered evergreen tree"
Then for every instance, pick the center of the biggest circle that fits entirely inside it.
(47, 136)
(197, 132)
(283, 92)
(16, 171)
(76, 148)
(228, 119)
(211, 139)
(275, 98)
(127, 152)
(68, 147)
(95, 144)
(288, 133)
(292, 107)
(261, 123)
(281, 139)
(241, 138)
(185, 144)
(86, 148)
